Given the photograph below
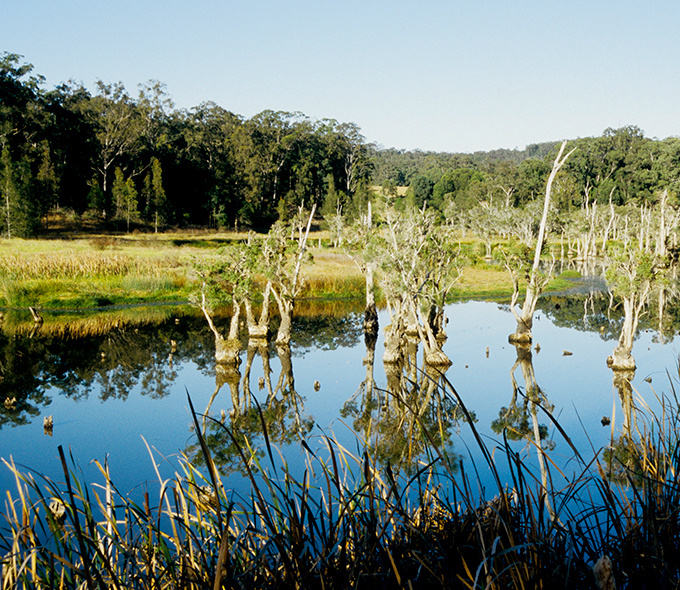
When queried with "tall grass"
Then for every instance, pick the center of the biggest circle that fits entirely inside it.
(348, 522)
(18, 266)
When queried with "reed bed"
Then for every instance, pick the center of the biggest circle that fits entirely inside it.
(348, 522)
(45, 265)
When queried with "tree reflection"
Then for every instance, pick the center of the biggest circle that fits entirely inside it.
(622, 457)
(281, 413)
(112, 362)
(403, 422)
(520, 421)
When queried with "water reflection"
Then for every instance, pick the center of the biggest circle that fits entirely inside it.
(109, 363)
(520, 419)
(399, 408)
(412, 417)
(242, 429)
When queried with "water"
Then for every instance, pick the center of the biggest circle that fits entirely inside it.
(118, 395)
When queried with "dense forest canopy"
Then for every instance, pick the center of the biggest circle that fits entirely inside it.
(122, 159)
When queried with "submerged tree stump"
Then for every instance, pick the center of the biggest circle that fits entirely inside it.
(520, 338)
(621, 362)
(437, 358)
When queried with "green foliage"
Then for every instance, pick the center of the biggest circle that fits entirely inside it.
(222, 170)
(125, 198)
(154, 195)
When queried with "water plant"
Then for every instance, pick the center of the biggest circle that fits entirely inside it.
(348, 521)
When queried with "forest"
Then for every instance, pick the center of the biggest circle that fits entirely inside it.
(125, 161)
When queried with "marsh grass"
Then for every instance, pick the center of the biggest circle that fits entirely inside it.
(81, 277)
(348, 522)
(96, 270)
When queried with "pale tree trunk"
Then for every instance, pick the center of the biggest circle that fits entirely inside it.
(226, 351)
(394, 334)
(371, 313)
(433, 354)
(286, 307)
(536, 284)
(286, 301)
(258, 329)
(622, 358)
(661, 247)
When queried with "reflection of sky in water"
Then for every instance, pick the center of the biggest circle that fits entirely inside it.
(580, 387)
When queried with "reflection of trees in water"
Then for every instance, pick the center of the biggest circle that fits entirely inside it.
(281, 412)
(113, 363)
(402, 422)
(327, 332)
(519, 420)
(114, 357)
(622, 458)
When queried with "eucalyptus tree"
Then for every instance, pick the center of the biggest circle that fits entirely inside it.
(486, 221)
(26, 170)
(226, 278)
(271, 141)
(419, 264)
(72, 147)
(118, 126)
(155, 198)
(536, 280)
(283, 251)
(125, 202)
(213, 139)
(630, 274)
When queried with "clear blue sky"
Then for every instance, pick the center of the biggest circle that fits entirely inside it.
(433, 75)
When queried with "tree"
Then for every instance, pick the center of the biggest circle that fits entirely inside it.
(630, 275)
(422, 188)
(118, 128)
(125, 198)
(536, 281)
(282, 259)
(20, 217)
(154, 194)
(419, 264)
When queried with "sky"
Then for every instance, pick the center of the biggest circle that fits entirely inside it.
(434, 75)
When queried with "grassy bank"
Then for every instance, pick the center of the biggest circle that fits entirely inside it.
(100, 270)
(349, 522)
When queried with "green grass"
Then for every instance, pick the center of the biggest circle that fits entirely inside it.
(98, 270)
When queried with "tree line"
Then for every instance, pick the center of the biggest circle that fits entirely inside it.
(124, 159)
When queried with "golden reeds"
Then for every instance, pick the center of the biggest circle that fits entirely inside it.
(75, 265)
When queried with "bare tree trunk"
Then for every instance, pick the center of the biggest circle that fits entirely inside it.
(371, 313)
(226, 351)
(622, 358)
(536, 283)
(258, 329)
(286, 307)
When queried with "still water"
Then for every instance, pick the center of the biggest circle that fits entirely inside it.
(117, 390)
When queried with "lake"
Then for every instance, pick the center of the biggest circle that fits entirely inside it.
(116, 386)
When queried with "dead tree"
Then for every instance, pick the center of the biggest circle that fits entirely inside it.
(537, 281)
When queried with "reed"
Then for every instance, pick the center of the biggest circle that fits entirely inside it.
(349, 522)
